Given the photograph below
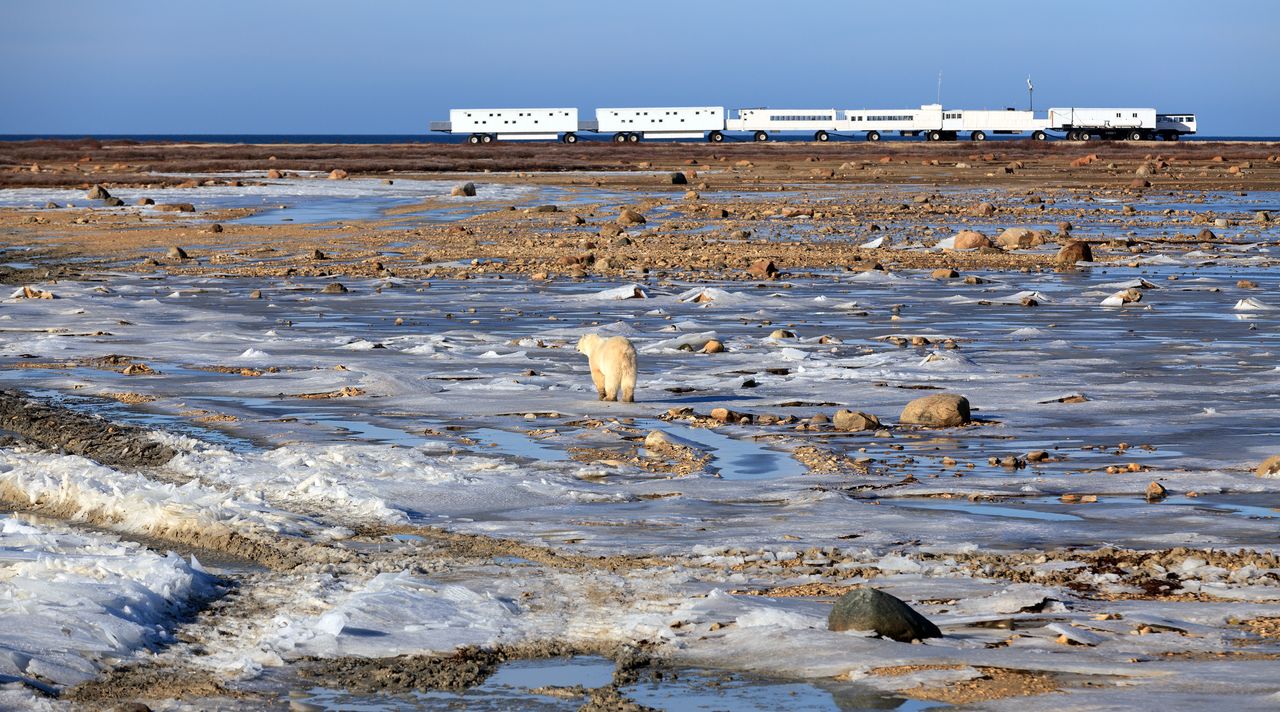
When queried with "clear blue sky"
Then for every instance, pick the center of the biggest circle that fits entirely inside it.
(330, 66)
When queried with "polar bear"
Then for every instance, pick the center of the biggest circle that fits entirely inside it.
(613, 366)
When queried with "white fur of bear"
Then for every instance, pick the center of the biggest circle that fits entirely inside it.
(613, 366)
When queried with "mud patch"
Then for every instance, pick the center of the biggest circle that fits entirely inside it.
(64, 430)
(459, 671)
(993, 684)
(141, 682)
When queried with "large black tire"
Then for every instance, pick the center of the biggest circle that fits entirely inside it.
(821, 137)
(1039, 136)
(1083, 136)
(473, 139)
(633, 138)
(1136, 136)
(619, 137)
(934, 135)
(570, 137)
(761, 136)
(486, 138)
(978, 136)
(715, 137)
(1172, 136)
(873, 136)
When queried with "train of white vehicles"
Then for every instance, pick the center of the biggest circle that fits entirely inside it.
(934, 123)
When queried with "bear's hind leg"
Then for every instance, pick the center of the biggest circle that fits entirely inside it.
(598, 378)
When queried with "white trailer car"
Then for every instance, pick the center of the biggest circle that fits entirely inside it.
(633, 124)
(485, 125)
(1085, 124)
(980, 122)
(907, 122)
(761, 122)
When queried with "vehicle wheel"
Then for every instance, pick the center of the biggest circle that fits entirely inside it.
(633, 138)
(486, 138)
(570, 137)
(1084, 136)
(1073, 135)
(1038, 136)
(1172, 136)
(821, 137)
(978, 135)
(619, 137)
(473, 139)
(935, 135)
(762, 136)
(715, 137)
(873, 136)
(1136, 136)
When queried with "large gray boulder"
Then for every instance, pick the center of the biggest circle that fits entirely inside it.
(886, 615)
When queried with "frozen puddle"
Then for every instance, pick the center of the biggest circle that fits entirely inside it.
(310, 198)
(114, 410)
(563, 685)
(344, 424)
(515, 444)
(986, 510)
(735, 458)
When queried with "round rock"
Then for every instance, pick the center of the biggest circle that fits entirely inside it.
(872, 610)
(942, 410)
(1073, 252)
(853, 420)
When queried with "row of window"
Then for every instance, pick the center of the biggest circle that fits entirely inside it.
(521, 113)
(800, 117)
(892, 117)
(1182, 119)
(696, 112)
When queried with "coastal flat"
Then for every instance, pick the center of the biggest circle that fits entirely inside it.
(354, 398)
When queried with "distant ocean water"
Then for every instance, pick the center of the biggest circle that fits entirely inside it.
(456, 138)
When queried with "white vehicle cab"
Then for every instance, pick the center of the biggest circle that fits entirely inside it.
(629, 125)
(1171, 127)
(485, 125)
